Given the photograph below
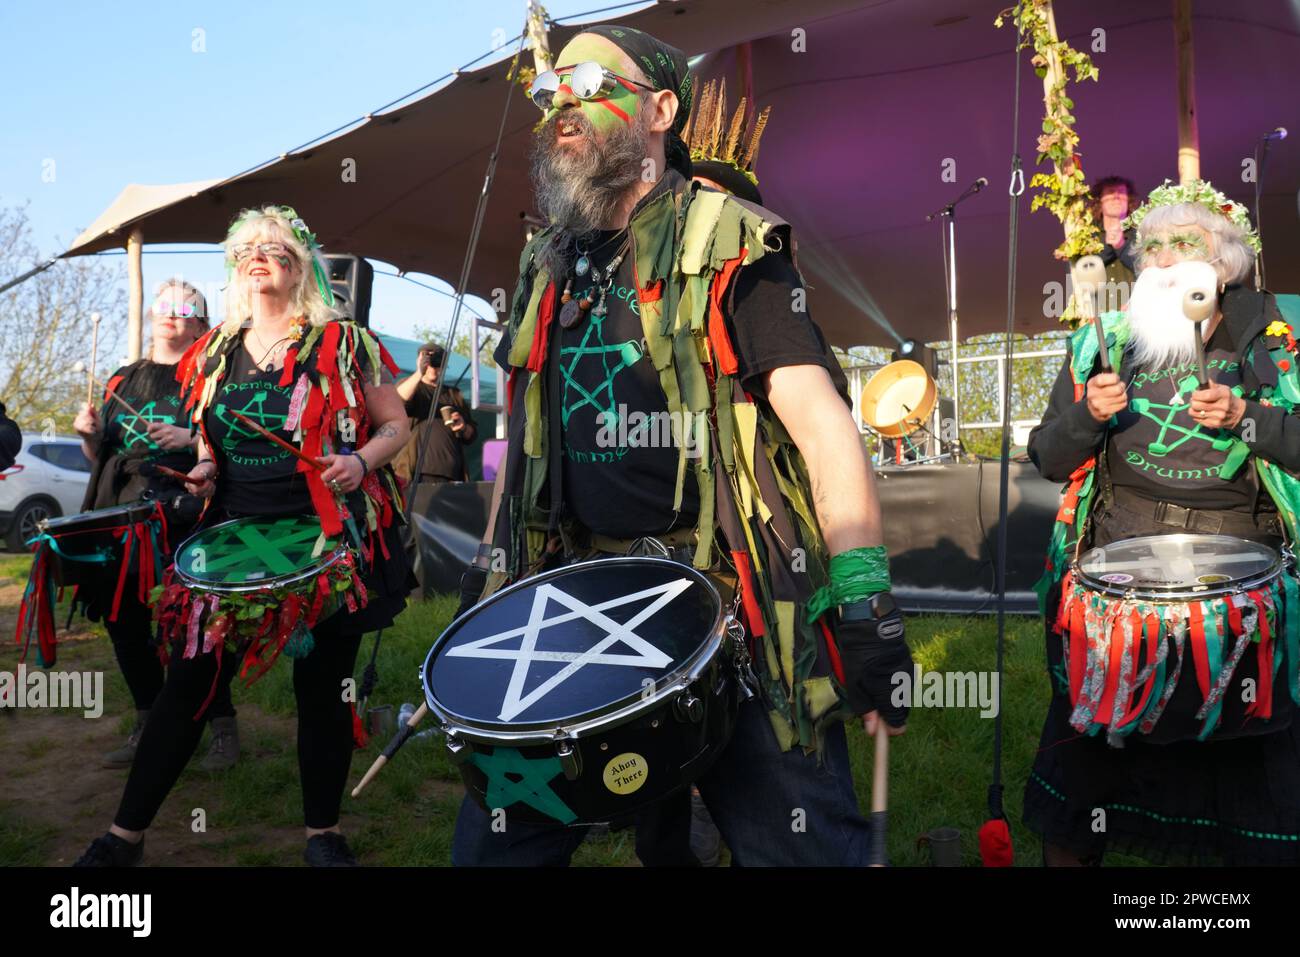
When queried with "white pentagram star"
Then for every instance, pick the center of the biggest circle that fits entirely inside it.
(647, 655)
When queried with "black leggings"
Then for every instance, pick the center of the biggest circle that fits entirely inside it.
(132, 636)
(324, 727)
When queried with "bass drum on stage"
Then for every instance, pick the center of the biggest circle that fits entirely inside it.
(585, 693)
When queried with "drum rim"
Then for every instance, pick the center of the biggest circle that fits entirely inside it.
(146, 506)
(581, 725)
(282, 581)
(1283, 562)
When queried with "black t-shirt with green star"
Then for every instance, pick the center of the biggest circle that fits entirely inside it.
(620, 456)
(1160, 452)
(153, 394)
(257, 477)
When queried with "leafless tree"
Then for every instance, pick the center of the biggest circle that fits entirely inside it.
(45, 327)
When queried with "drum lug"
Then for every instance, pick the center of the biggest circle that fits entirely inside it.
(570, 758)
(458, 750)
(688, 707)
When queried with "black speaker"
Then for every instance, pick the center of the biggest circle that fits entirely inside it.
(351, 278)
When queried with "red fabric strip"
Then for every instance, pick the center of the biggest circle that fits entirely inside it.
(1199, 656)
(745, 582)
(832, 650)
(728, 364)
(541, 334)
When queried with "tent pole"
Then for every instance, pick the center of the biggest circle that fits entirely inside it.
(537, 34)
(1189, 145)
(135, 313)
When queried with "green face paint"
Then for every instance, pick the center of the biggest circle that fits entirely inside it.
(606, 112)
(1183, 245)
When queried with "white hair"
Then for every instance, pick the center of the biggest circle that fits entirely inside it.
(270, 224)
(1234, 258)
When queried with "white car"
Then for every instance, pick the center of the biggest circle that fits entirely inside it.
(50, 484)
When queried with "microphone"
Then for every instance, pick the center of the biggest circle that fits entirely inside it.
(1277, 134)
(983, 180)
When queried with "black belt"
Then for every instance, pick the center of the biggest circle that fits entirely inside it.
(1195, 519)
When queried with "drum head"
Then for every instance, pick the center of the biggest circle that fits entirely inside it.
(1170, 566)
(115, 516)
(255, 551)
(572, 644)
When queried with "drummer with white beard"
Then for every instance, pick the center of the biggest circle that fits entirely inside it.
(1149, 450)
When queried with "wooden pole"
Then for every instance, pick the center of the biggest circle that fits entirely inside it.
(537, 34)
(1189, 139)
(135, 314)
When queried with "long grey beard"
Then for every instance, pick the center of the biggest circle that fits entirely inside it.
(578, 192)
(1161, 336)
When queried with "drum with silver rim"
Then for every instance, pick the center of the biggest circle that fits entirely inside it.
(585, 693)
(1180, 637)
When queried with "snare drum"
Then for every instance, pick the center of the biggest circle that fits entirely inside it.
(264, 581)
(98, 550)
(580, 695)
(1181, 637)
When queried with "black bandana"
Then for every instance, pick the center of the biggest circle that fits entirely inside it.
(667, 69)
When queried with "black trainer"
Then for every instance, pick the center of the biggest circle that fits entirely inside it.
(111, 851)
(329, 850)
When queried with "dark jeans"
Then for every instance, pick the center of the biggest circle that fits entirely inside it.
(773, 807)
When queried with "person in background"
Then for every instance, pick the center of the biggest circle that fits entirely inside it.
(441, 425)
(11, 440)
(122, 446)
(1114, 196)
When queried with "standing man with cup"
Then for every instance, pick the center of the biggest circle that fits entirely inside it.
(441, 425)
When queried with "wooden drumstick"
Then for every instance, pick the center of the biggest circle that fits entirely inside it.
(880, 795)
(399, 739)
(1198, 305)
(109, 391)
(94, 357)
(1089, 275)
(278, 441)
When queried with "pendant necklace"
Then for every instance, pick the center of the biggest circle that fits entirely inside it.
(584, 255)
(572, 309)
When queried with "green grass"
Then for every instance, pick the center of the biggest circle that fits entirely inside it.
(940, 769)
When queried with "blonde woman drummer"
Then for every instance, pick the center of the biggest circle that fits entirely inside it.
(280, 339)
(134, 431)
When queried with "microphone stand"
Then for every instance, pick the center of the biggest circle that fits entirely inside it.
(1261, 159)
(949, 236)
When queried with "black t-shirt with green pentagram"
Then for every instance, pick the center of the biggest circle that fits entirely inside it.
(144, 393)
(619, 450)
(257, 477)
(1160, 452)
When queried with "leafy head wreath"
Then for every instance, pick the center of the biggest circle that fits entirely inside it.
(300, 233)
(1197, 191)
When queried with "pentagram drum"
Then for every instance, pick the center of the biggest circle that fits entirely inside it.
(585, 693)
(1180, 637)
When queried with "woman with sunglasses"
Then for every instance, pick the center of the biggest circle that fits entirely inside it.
(134, 432)
(283, 358)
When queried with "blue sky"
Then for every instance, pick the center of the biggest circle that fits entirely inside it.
(114, 93)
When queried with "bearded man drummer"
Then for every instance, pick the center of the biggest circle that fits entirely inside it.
(1147, 449)
(587, 353)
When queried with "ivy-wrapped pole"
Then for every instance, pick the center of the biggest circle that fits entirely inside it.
(1064, 192)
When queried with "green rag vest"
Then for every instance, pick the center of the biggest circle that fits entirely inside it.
(686, 245)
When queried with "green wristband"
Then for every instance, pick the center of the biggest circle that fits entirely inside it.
(856, 574)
